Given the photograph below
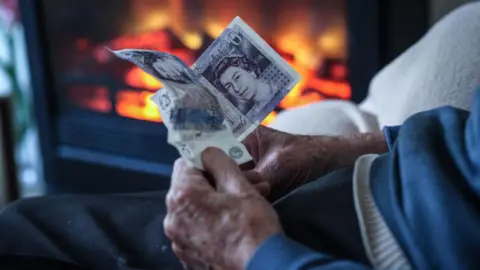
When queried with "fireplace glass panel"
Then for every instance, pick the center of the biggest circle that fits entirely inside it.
(91, 83)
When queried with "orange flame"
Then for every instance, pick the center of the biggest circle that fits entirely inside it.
(137, 105)
(136, 77)
(92, 98)
(269, 119)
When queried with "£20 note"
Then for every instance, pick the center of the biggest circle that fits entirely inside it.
(191, 113)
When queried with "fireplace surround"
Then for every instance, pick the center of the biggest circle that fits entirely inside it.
(98, 132)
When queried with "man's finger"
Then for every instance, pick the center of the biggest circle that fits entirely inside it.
(263, 188)
(225, 172)
(253, 177)
(184, 176)
(256, 179)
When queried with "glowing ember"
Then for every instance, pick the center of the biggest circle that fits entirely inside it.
(136, 77)
(192, 41)
(155, 40)
(91, 98)
(137, 105)
(269, 118)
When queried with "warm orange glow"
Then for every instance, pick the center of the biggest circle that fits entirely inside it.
(339, 72)
(214, 29)
(192, 40)
(155, 40)
(136, 77)
(91, 97)
(335, 89)
(294, 97)
(328, 42)
(306, 42)
(137, 105)
(304, 54)
(332, 42)
(269, 118)
(155, 20)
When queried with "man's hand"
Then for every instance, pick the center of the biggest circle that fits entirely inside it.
(284, 160)
(257, 180)
(287, 161)
(216, 219)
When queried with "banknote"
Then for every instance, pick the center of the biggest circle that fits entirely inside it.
(191, 113)
(247, 76)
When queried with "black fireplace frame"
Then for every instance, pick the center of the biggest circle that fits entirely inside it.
(379, 30)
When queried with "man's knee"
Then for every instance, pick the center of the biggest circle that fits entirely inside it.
(20, 207)
(19, 230)
(318, 196)
(64, 227)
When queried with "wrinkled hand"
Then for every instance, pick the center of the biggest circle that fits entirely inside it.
(284, 160)
(216, 219)
(288, 161)
(256, 179)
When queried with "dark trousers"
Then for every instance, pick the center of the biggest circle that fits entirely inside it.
(125, 231)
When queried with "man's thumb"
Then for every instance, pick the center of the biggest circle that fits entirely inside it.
(225, 172)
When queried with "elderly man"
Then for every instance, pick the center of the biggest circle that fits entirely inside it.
(411, 200)
(417, 204)
(406, 198)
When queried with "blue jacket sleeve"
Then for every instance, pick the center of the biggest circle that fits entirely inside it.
(391, 134)
(428, 187)
(280, 252)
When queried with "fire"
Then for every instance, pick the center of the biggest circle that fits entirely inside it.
(155, 20)
(214, 29)
(192, 41)
(136, 77)
(269, 119)
(137, 105)
(154, 40)
(167, 26)
(332, 42)
(92, 98)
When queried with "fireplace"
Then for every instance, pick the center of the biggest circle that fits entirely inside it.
(185, 28)
(100, 132)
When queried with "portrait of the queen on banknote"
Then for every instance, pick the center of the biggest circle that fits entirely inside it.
(242, 83)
